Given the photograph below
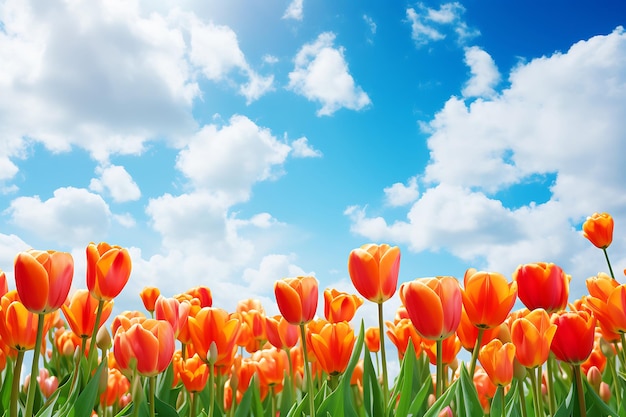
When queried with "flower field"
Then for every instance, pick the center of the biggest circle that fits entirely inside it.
(183, 357)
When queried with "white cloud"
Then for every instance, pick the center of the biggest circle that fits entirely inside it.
(73, 216)
(428, 24)
(302, 149)
(399, 194)
(230, 159)
(485, 75)
(561, 118)
(115, 180)
(10, 246)
(294, 10)
(370, 23)
(321, 74)
(271, 268)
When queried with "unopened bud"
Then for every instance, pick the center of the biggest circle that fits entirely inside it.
(606, 348)
(211, 356)
(446, 412)
(605, 392)
(595, 378)
(103, 338)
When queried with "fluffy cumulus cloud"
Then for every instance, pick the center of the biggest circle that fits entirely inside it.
(294, 10)
(429, 25)
(485, 75)
(116, 181)
(399, 194)
(321, 74)
(561, 117)
(74, 213)
(302, 149)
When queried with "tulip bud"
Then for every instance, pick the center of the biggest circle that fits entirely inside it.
(606, 348)
(446, 412)
(605, 392)
(595, 378)
(103, 339)
(104, 379)
(211, 356)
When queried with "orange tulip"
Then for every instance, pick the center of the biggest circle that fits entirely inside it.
(147, 346)
(66, 342)
(601, 286)
(610, 313)
(485, 389)
(18, 326)
(340, 306)
(488, 298)
(332, 347)
(573, 340)
(43, 279)
(599, 230)
(374, 271)
(297, 299)
(149, 296)
(117, 386)
(271, 367)
(542, 285)
(80, 313)
(532, 334)
(434, 306)
(497, 359)
(194, 373)
(372, 339)
(108, 270)
(202, 294)
(400, 333)
(280, 333)
(450, 348)
(215, 325)
(172, 311)
(468, 333)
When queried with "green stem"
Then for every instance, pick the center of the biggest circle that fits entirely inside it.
(551, 396)
(500, 393)
(383, 357)
(32, 386)
(439, 382)
(606, 256)
(536, 389)
(15, 387)
(622, 351)
(522, 397)
(212, 390)
(92, 344)
(290, 379)
(307, 369)
(273, 399)
(579, 390)
(479, 340)
(152, 395)
(616, 390)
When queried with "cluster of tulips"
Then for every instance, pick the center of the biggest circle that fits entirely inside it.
(184, 357)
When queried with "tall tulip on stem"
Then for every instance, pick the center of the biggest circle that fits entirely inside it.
(297, 302)
(598, 228)
(374, 273)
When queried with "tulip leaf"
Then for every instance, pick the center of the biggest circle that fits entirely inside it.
(569, 406)
(469, 404)
(297, 409)
(446, 398)
(372, 392)
(164, 385)
(5, 390)
(595, 405)
(496, 403)
(404, 384)
(250, 404)
(420, 399)
(163, 409)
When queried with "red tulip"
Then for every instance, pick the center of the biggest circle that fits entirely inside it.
(297, 299)
(542, 285)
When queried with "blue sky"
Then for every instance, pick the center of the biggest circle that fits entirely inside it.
(232, 144)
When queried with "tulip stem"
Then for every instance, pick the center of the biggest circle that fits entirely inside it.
(30, 399)
(579, 390)
(536, 388)
(15, 387)
(152, 388)
(522, 397)
(212, 390)
(439, 382)
(92, 344)
(606, 255)
(479, 340)
(383, 358)
(615, 381)
(551, 397)
(307, 369)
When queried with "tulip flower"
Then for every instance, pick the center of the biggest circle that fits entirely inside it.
(202, 294)
(532, 334)
(372, 339)
(215, 325)
(172, 311)
(374, 271)
(610, 313)
(280, 333)
(147, 346)
(542, 285)
(149, 296)
(80, 313)
(18, 326)
(598, 228)
(108, 270)
(450, 348)
(574, 336)
(43, 279)
(194, 373)
(333, 346)
(497, 359)
(297, 299)
(340, 306)
(4, 288)
(117, 386)
(400, 333)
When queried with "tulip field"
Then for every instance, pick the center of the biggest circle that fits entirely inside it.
(182, 357)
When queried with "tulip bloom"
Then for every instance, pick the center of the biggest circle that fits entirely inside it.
(374, 271)
(532, 334)
(601, 286)
(202, 294)
(215, 325)
(598, 228)
(18, 326)
(193, 372)
(573, 340)
(434, 306)
(297, 299)
(400, 333)
(117, 386)
(340, 306)
(147, 346)
(4, 288)
(43, 279)
(108, 270)
(488, 298)
(542, 285)
(468, 333)
(149, 296)
(280, 333)
(332, 346)
(610, 313)
(372, 339)
(497, 359)
(450, 347)
(172, 311)
(80, 313)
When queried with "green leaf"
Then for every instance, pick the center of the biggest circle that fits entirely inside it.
(87, 399)
(469, 402)
(419, 402)
(163, 409)
(5, 390)
(595, 405)
(164, 386)
(405, 383)
(372, 392)
(286, 397)
(569, 407)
